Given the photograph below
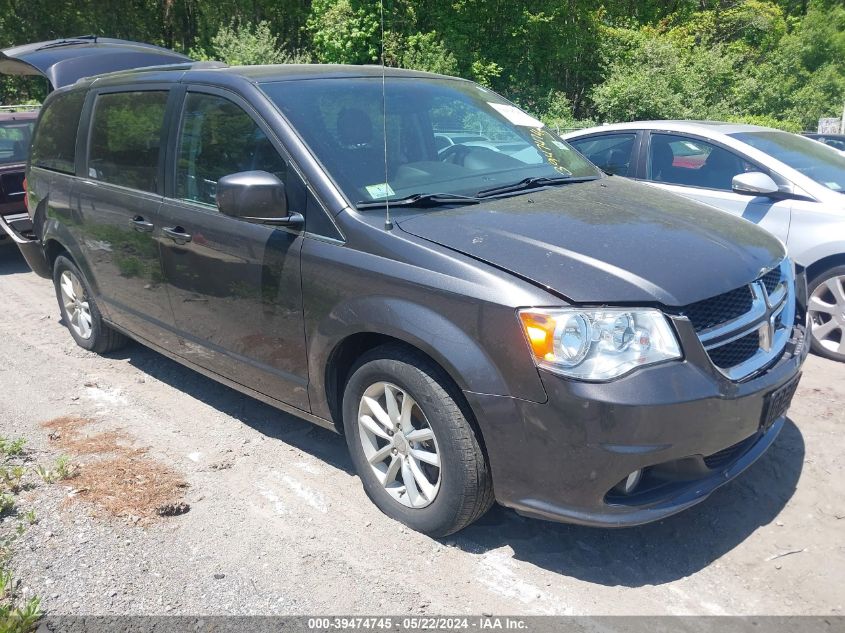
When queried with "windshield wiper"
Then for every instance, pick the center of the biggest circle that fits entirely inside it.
(531, 183)
(421, 200)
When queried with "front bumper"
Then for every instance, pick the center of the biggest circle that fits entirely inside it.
(689, 428)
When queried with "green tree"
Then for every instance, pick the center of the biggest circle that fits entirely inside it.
(421, 51)
(243, 44)
(777, 61)
(746, 60)
(345, 31)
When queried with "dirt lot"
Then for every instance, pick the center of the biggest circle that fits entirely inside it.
(279, 524)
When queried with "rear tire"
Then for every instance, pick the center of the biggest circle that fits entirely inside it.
(79, 310)
(826, 312)
(442, 499)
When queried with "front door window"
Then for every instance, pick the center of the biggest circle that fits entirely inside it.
(691, 162)
(217, 139)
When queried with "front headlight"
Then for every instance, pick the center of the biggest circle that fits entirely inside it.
(598, 344)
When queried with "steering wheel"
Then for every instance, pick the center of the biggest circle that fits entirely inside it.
(455, 154)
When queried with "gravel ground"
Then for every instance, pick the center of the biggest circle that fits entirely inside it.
(278, 523)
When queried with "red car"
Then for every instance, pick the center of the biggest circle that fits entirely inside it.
(15, 134)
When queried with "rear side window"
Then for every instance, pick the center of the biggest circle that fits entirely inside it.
(125, 138)
(54, 145)
(611, 152)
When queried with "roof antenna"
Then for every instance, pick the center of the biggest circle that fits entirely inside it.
(388, 223)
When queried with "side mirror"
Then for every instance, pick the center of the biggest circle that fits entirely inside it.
(255, 196)
(754, 183)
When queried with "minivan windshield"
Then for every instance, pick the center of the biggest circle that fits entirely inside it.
(440, 136)
(815, 160)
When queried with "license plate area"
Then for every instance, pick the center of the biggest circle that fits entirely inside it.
(777, 403)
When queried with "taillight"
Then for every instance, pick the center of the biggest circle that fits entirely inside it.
(25, 196)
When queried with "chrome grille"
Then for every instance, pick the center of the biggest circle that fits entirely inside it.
(742, 342)
(771, 279)
(705, 314)
(736, 352)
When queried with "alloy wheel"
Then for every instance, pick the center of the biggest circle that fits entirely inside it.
(827, 314)
(399, 444)
(76, 304)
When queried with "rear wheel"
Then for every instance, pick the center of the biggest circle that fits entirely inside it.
(417, 455)
(79, 310)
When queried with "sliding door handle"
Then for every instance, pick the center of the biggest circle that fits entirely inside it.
(140, 224)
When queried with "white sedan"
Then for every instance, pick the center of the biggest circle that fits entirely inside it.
(790, 185)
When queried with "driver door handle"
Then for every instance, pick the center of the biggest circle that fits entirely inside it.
(177, 234)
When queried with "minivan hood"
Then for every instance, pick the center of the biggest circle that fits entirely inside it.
(608, 241)
(62, 62)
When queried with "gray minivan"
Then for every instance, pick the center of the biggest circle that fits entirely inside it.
(492, 321)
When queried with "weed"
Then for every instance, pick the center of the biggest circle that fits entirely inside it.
(11, 448)
(5, 583)
(16, 619)
(16, 616)
(62, 469)
(7, 503)
(10, 478)
(46, 474)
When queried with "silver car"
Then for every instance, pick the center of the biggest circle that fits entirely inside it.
(790, 185)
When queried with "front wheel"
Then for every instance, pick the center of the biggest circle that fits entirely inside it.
(417, 455)
(826, 310)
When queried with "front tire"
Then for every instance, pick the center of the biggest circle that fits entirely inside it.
(79, 310)
(417, 455)
(826, 311)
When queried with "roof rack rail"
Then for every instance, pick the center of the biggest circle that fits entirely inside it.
(176, 66)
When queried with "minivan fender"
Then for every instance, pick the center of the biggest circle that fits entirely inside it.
(55, 237)
(389, 318)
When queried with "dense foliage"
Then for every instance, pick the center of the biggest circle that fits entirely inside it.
(778, 62)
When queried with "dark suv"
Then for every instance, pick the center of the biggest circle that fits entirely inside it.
(481, 323)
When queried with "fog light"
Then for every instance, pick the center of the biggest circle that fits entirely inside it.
(627, 485)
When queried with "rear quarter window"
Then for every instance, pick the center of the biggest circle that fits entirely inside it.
(611, 152)
(54, 145)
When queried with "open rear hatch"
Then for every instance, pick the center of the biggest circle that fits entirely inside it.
(64, 61)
